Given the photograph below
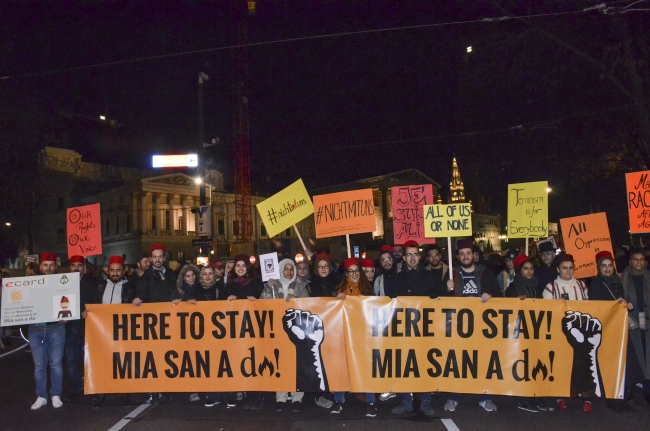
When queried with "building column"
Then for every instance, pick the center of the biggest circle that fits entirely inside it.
(184, 216)
(156, 212)
(134, 213)
(145, 224)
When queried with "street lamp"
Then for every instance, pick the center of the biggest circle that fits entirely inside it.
(7, 224)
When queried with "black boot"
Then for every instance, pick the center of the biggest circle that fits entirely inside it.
(98, 400)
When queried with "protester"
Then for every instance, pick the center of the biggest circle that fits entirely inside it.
(471, 280)
(607, 286)
(435, 264)
(506, 276)
(116, 289)
(47, 341)
(286, 287)
(32, 269)
(566, 287)
(414, 280)
(354, 284)
(141, 266)
(547, 271)
(385, 283)
(187, 286)
(398, 255)
(524, 285)
(243, 284)
(302, 272)
(229, 266)
(324, 281)
(636, 283)
(368, 267)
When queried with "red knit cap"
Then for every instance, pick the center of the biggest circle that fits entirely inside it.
(76, 259)
(411, 243)
(116, 259)
(520, 260)
(46, 256)
(385, 248)
(367, 263)
(158, 247)
(350, 261)
(604, 255)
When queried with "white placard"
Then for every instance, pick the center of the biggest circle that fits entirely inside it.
(270, 267)
(40, 299)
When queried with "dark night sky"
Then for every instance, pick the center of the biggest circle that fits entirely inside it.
(320, 109)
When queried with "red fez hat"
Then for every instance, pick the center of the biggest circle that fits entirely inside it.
(604, 255)
(116, 259)
(367, 263)
(350, 261)
(520, 260)
(411, 243)
(217, 265)
(385, 249)
(64, 299)
(464, 243)
(47, 256)
(158, 247)
(77, 259)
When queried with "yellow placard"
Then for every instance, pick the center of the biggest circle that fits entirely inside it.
(285, 208)
(528, 210)
(447, 220)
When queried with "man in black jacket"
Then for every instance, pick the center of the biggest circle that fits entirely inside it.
(471, 280)
(414, 280)
(116, 289)
(158, 281)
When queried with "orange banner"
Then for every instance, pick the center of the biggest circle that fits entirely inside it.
(344, 213)
(216, 346)
(360, 344)
(638, 201)
(584, 236)
(84, 230)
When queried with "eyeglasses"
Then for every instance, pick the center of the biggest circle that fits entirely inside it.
(353, 271)
(408, 255)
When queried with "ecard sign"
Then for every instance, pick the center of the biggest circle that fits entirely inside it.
(285, 208)
(528, 210)
(408, 220)
(84, 230)
(270, 267)
(344, 213)
(448, 220)
(40, 299)
(584, 236)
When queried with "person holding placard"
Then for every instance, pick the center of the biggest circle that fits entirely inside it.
(355, 283)
(636, 282)
(384, 283)
(471, 280)
(47, 341)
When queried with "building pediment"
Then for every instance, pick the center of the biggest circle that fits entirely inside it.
(177, 179)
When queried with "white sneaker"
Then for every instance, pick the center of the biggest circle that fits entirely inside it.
(450, 405)
(488, 405)
(40, 402)
(387, 396)
(56, 402)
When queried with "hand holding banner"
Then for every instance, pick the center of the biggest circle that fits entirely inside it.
(528, 210)
(285, 208)
(584, 236)
(84, 232)
(344, 213)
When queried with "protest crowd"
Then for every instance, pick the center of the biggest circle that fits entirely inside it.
(400, 270)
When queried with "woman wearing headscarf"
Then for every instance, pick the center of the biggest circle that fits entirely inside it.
(243, 284)
(286, 287)
(302, 273)
(524, 285)
(607, 286)
(229, 266)
(324, 282)
(355, 283)
(636, 282)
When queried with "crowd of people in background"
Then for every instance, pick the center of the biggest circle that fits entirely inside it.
(399, 270)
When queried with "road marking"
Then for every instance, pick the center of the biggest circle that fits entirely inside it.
(128, 418)
(449, 424)
(15, 350)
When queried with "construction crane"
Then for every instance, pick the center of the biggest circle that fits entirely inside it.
(241, 9)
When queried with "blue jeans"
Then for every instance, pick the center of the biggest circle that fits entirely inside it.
(425, 397)
(73, 348)
(481, 397)
(47, 348)
(340, 396)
